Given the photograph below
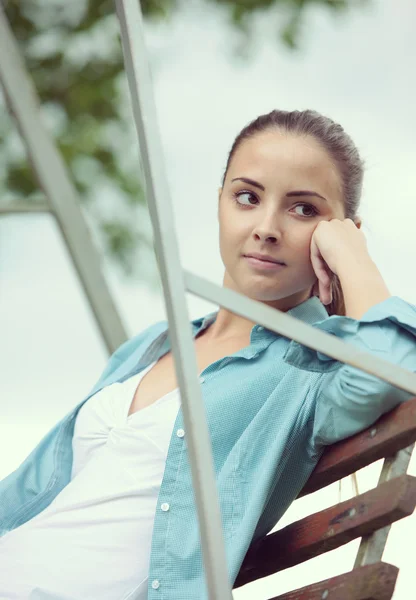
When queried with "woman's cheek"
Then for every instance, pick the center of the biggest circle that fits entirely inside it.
(302, 244)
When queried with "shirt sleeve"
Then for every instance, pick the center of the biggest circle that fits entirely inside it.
(349, 400)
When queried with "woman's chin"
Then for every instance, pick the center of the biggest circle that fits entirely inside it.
(263, 295)
(261, 290)
(274, 296)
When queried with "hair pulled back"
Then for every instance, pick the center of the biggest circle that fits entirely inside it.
(339, 147)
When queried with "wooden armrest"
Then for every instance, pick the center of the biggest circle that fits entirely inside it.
(372, 582)
(329, 529)
(392, 432)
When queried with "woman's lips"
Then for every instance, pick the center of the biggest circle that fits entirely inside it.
(263, 265)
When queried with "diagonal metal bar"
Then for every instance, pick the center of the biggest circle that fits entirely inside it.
(298, 331)
(56, 183)
(167, 253)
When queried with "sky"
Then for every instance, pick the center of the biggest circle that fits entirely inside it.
(358, 70)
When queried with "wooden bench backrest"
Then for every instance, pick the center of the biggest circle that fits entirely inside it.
(368, 515)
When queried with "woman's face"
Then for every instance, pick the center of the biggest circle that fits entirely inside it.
(270, 205)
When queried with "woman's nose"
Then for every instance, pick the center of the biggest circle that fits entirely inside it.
(266, 233)
(265, 237)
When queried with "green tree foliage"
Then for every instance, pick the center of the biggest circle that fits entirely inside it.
(81, 85)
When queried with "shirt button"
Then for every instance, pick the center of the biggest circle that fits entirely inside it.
(180, 433)
(164, 506)
(260, 328)
(155, 584)
(201, 379)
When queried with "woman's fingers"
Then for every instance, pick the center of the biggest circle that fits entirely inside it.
(323, 274)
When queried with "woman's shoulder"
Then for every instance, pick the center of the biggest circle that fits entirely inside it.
(131, 346)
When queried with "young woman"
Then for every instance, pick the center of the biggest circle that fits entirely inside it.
(103, 507)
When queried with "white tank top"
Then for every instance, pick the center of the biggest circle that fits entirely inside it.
(94, 539)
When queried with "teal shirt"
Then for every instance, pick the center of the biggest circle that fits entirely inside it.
(271, 409)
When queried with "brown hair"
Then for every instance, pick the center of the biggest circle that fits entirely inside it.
(340, 148)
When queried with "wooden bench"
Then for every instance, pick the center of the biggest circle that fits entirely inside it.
(368, 515)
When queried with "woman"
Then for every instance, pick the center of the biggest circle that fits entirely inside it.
(104, 507)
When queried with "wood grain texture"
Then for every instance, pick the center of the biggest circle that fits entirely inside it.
(392, 432)
(372, 582)
(329, 529)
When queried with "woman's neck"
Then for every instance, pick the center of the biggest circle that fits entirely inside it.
(229, 325)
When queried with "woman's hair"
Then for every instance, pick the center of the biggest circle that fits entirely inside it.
(339, 147)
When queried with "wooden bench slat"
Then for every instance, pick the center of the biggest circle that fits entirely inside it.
(372, 582)
(392, 432)
(329, 529)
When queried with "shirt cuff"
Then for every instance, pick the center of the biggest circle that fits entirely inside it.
(371, 332)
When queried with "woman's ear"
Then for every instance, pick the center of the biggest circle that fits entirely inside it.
(219, 198)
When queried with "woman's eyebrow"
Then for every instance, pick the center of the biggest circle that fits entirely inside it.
(288, 195)
(305, 193)
(250, 181)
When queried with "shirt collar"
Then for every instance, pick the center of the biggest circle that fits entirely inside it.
(310, 311)
(202, 323)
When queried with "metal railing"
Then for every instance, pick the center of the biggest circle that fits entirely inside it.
(176, 282)
(62, 198)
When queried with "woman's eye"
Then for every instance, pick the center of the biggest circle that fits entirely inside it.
(310, 210)
(245, 198)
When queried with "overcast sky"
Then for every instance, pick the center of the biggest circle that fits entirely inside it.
(358, 70)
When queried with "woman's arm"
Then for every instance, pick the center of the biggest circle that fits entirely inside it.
(362, 286)
(349, 400)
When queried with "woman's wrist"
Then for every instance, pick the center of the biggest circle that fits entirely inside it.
(362, 285)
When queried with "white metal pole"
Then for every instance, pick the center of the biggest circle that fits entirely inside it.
(64, 203)
(305, 334)
(167, 251)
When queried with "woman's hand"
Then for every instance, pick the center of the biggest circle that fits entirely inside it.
(333, 244)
